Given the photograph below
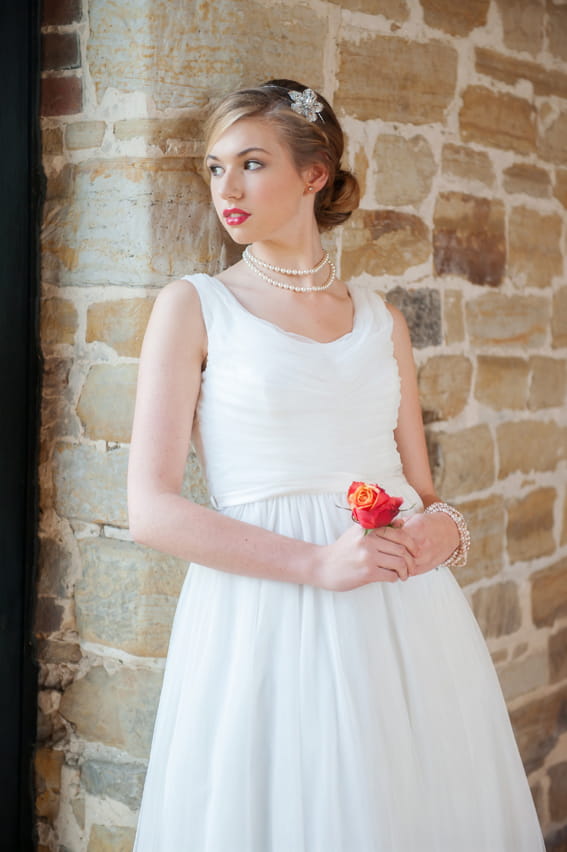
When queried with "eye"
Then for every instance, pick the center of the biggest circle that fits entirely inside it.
(215, 171)
(252, 165)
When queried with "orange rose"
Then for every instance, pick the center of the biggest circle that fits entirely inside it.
(371, 506)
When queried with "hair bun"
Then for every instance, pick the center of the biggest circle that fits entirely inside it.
(336, 202)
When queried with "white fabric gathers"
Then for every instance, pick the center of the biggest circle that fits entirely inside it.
(295, 719)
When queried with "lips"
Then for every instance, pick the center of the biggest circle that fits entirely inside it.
(234, 216)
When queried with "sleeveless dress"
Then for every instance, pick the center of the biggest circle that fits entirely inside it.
(296, 719)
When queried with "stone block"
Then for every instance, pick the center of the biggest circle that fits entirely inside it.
(120, 324)
(52, 140)
(497, 609)
(527, 178)
(58, 322)
(61, 95)
(557, 650)
(49, 616)
(422, 311)
(557, 796)
(420, 96)
(557, 29)
(549, 594)
(502, 382)
(524, 675)
(548, 387)
(60, 51)
(60, 183)
(172, 53)
(55, 565)
(537, 726)
(522, 24)
(456, 20)
(444, 386)
(530, 525)
(104, 838)
(120, 781)
(106, 403)
(127, 595)
(158, 131)
(530, 446)
(90, 485)
(563, 539)
(160, 209)
(359, 165)
(84, 134)
(552, 143)
(497, 120)
(462, 462)
(58, 651)
(534, 247)
(48, 763)
(59, 12)
(486, 521)
(383, 242)
(469, 238)
(496, 319)
(560, 188)
(467, 164)
(396, 10)
(55, 377)
(403, 169)
(559, 318)
(453, 317)
(510, 69)
(117, 710)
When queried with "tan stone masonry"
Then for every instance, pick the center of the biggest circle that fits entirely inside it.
(456, 117)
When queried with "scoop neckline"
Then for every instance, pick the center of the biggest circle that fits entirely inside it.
(292, 334)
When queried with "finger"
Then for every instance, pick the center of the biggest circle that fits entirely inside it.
(397, 564)
(400, 536)
(391, 550)
(384, 575)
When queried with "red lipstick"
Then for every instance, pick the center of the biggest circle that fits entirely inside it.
(234, 216)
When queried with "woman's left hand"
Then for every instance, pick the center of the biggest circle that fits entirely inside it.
(434, 538)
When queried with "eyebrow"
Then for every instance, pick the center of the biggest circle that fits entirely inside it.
(240, 153)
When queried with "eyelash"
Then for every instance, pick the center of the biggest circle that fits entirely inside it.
(216, 171)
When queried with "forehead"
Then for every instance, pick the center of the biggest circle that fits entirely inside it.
(246, 134)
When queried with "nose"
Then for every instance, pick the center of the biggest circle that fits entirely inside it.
(231, 186)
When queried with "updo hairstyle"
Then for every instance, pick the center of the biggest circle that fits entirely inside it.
(320, 141)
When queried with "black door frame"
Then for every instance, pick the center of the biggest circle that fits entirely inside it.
(20, 185)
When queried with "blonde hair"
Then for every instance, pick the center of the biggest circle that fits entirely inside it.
(320, 141)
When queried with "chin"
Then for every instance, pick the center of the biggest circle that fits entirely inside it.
(238, 238)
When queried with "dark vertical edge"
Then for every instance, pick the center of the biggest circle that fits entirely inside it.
(27, 829)
(20, 194)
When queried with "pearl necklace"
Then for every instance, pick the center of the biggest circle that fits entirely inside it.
(256, 260)
(247, 258)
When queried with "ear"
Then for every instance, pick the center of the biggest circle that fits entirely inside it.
(316, 176)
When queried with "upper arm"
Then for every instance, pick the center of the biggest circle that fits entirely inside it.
(169, 380)
(409, 433)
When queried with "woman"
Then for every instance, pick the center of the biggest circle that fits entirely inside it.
(326, 690)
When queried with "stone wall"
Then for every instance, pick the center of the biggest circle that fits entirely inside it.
(456, 116)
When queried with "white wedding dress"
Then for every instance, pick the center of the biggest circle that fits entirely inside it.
(294, 719)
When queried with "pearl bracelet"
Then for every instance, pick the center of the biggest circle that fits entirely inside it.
(458, 558)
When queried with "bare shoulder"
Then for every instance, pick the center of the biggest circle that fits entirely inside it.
(400, 330)
(177, 315)
(181, 301)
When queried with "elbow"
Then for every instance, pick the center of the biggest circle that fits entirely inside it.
(139, 524)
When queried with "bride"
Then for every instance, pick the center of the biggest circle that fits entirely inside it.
(327, 688)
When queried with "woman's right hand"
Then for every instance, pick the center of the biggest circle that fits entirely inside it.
(355, 559)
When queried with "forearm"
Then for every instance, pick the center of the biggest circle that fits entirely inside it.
(172, 524)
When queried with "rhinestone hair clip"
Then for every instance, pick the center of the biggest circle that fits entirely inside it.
(306, 104)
